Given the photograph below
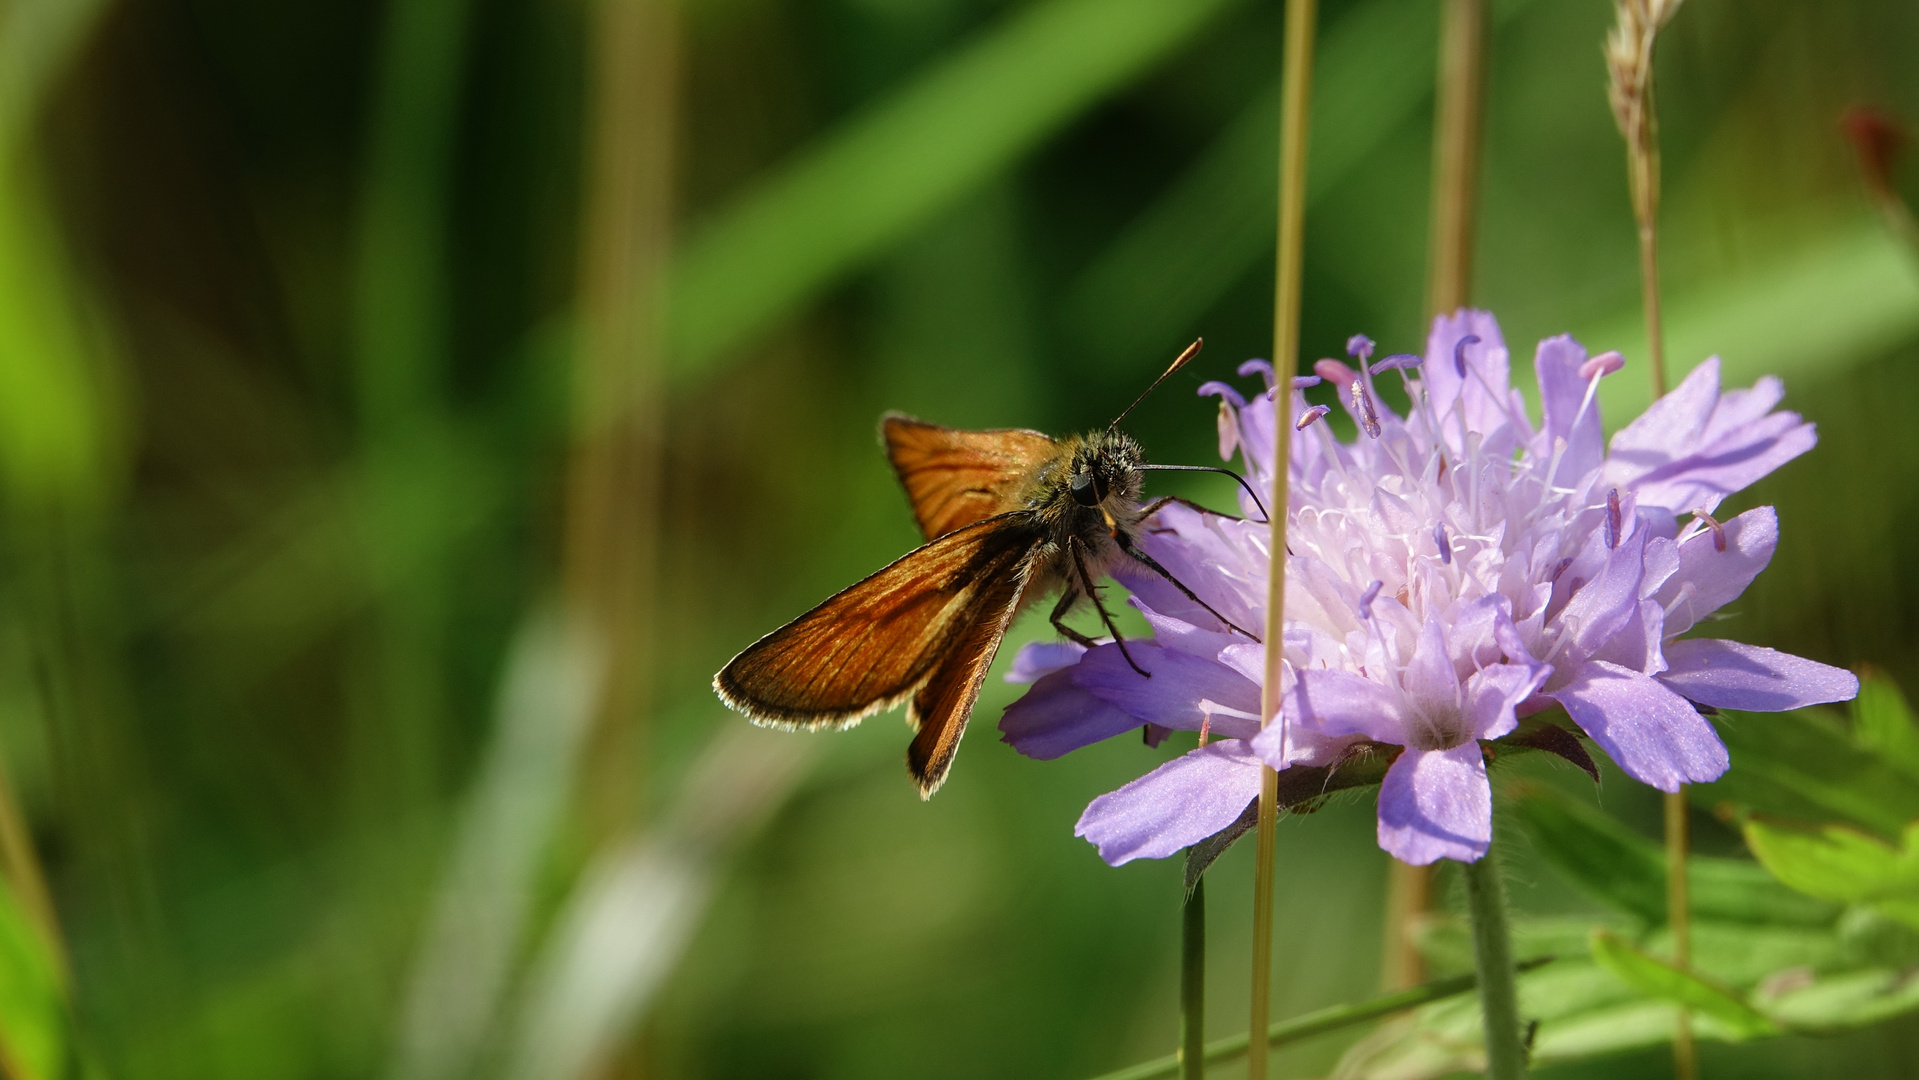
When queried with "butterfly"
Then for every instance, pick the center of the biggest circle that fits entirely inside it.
(1009, 516)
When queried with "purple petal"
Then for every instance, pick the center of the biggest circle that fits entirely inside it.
(1730, 675)
(1737, 408)
(1430, 675)
(1038, 659)
(1492, 693)
(1603, 606)
(1562, 391)
(1670, 426)
(1220, 559)
(1694, 446)
(1436, 805)
(1635, 646)
(1176, 805)
(1731, 464)
(1483, 392)
(1650, 731)
(1341, 703)
(1184, 692)
(1707, 579)
(1055, 717)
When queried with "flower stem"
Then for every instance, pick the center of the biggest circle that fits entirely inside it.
(1192, 985)
(1493, 958)
(1685, 1058)
(1295, 102)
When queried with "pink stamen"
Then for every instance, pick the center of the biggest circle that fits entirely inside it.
(1718, 530)
(1602, 365)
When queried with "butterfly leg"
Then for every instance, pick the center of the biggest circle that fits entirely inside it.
(1152, 564)
(1086, 583)
(1060, 609)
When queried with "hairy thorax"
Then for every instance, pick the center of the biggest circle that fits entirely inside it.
(1110, 461)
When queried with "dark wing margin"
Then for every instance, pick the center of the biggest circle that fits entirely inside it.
(876, 643)
(954, 477)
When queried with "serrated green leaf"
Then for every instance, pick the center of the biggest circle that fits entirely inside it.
(1659, 980)
(1884, 723)
(1834, 862)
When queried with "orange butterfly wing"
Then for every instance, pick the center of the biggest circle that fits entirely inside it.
(929, 623)
(954, 478)
(941, 708)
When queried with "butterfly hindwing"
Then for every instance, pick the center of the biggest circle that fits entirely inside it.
(941, 708)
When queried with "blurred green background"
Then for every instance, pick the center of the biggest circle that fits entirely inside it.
(405, 407)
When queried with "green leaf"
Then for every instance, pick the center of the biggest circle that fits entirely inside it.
(1834, 862)
(1883, 723)
(1657, 979)
(858, 190)
(1803, 765)
(1606, 860)
(1854, 999)
(1627, 872)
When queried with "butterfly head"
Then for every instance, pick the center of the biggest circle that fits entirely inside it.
(1105, 465)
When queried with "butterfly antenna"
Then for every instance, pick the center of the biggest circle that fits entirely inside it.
(1184, 357)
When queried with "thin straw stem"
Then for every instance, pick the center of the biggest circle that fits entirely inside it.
(1685, 1056)
(1493, 959)
(1294, 114)
(1456, 150)
(1629, 63)
(612, 537)
(1457, 129)
(1192, 985)
(1649, 291)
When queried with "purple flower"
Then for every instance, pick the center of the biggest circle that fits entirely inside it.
(1449, 572)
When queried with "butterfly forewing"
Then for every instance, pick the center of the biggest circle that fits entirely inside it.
(954, 478)
(874, 644)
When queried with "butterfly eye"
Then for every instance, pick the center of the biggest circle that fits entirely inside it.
(1087, 490)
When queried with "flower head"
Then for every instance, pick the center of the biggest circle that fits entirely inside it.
(1448, 572)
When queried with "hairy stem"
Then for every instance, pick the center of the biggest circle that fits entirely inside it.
(1493, 959)
(1294, 112)
(1192, 985)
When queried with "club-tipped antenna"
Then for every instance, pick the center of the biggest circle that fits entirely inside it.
(1180, 362)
